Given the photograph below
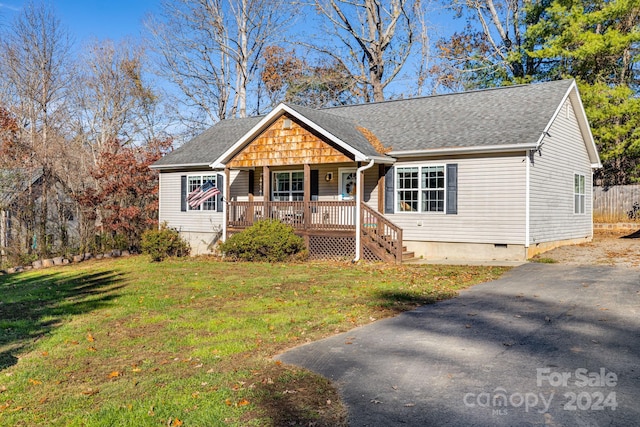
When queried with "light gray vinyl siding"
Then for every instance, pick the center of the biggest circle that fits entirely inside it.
(552, 183)
(239, 187)
(371, 187)
(491, 203)
(190, 221)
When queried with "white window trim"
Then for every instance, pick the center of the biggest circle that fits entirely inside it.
(583, 195)
(420, 189)
(214, 179)
(273, 180)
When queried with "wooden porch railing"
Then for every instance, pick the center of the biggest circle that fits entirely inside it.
(315, 215)
(381, 236)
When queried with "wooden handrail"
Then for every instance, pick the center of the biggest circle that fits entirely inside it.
(381, 236)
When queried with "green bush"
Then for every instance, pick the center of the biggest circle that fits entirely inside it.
(266, 240)
(163, 243)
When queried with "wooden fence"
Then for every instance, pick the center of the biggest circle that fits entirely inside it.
(620, 203)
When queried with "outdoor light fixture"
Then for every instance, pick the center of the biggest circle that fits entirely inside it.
(328, 177)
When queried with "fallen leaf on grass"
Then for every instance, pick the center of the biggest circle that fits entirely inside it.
(45, 353)
(90, 392)
(92, 349)
(90, 337)
(34, 382)
(243, 402)
(114, 374)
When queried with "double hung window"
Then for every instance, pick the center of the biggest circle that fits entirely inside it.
(288, 186)
(578, 194)
(421, 189)
(194, 182)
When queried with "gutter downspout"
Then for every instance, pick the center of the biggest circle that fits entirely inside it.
(358, 207)
(527, 202)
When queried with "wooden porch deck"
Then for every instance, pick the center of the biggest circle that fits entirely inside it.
(329, 227)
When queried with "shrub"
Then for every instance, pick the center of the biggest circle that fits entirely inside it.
(266, 240)
(163, 243)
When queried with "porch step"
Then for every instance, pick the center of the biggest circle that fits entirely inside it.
(407, 256)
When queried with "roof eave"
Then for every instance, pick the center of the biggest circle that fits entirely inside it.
(180, 166)
(583, 124)
(486, 149)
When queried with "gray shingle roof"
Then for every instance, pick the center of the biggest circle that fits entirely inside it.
(492, 117)
(209, 145)
(509, 115)
(15, 181)
(345, 128)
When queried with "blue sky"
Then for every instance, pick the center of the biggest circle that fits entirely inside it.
(85, 19)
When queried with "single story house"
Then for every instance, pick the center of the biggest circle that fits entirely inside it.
(495, 174)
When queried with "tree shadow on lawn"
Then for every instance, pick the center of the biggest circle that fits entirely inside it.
(31, 307)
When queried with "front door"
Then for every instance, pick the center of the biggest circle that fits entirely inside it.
(347, 183)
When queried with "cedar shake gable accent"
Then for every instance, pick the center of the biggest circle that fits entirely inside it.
(285, 143)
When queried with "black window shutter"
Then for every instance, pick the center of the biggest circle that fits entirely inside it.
(252, 178)
(183, 193)
(389, 189)
(315, 184)
(452, 189)
(220, 186)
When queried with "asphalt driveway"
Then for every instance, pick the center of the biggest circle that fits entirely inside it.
(552, 345)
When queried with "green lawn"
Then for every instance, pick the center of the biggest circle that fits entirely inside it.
(190, 342)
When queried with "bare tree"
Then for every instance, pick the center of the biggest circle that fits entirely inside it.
(377, 38)
(111, 100)
(493, 48)
(210, 49)
(35, 66)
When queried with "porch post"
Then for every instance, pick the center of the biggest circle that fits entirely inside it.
(381, 178)
(307, 197)
(225, 201)
(266, 190)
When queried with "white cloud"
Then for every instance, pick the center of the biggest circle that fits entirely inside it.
(10, 7)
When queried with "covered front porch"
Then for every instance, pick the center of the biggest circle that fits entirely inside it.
(288, 169)
(326, 213)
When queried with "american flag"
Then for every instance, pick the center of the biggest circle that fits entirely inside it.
(202, 194)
